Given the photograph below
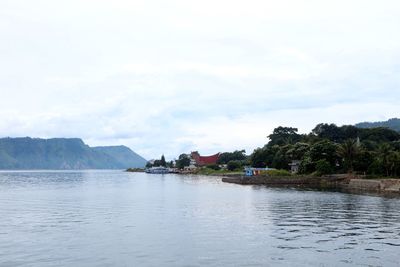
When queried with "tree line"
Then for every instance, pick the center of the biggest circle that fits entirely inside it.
(160, 163)
(327, 149)
(332, 149)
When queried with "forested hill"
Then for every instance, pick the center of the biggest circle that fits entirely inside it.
(393, 124)
(64, 153)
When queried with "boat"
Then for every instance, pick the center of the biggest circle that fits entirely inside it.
(157, 170)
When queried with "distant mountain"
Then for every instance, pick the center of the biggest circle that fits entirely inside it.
(65, 154)
(124, 155)
(393, 124)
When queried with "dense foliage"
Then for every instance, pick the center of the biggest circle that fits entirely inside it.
(234, 165)
(159, 163)
(226, 157)
(276, 173)
(183, 161)
(332, 149)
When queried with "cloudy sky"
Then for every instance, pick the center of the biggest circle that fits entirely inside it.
(180, 75)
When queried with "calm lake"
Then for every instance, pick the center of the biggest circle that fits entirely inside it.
(113, 218)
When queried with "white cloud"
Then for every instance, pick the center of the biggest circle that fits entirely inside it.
(170, 77)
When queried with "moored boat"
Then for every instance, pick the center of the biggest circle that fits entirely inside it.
(157, 170)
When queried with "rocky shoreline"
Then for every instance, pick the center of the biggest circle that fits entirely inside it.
(385, 187)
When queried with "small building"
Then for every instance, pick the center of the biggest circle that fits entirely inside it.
(189, 168)
(249, 171)
(295, 166)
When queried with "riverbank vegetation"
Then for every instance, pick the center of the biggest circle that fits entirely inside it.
(327, 149)
(219, 172)
(160, 163)
(331, 149)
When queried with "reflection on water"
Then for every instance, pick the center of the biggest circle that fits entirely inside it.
(103, 218)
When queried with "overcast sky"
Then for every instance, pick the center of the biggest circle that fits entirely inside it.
(180, 75)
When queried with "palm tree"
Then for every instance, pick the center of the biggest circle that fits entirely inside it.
(384, 153)
(393, 163)
(397, 164)
(348, 152)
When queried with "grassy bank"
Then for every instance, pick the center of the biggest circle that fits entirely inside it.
(208, 171)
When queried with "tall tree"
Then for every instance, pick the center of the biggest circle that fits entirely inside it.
(324, 149)
(225, 157)
(348, 152)
(394, 163)
(384, 153)
(328, 131)
(284, 136)
(163, 162)
(183, 161)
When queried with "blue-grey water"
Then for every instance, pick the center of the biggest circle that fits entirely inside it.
(113, 218)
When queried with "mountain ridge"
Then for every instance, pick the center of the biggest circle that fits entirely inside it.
(64, 154)
(393, 124)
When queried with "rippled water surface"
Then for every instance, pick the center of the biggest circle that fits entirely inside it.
(104, 218)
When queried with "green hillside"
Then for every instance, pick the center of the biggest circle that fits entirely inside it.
(63, 153)
(393, 124)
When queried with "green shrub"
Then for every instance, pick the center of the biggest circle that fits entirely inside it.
(214, 167)
(323, 167)
(306, 166)
(233, 165)
(276, 173)
(376, 168)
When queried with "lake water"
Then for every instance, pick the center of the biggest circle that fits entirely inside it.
(113, 218)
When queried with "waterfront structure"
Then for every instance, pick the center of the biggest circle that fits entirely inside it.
(157, 170)
(192, 162)
(201, 161)
(294, 166)
(249, 171)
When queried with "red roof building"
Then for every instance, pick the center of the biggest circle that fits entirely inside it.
(204, 160)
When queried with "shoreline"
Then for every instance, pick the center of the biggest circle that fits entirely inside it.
(385, 187)
(378, 187)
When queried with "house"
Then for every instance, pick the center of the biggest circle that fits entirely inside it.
(294, 166)
(204, 160)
